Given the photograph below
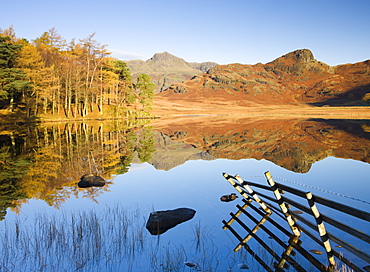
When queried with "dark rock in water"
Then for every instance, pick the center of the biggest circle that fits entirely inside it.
(161, 221)
(190, 264)
(90, 180)
(228, 198)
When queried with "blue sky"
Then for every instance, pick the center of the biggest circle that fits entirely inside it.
(229, 31)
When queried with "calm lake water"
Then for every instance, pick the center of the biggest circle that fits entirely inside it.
(49, 224)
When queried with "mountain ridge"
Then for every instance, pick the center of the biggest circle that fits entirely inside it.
(166, 69)
(294, 78)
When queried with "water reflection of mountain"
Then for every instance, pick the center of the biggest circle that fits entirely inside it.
(292, 144)
(171, 152)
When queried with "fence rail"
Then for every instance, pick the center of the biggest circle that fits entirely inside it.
(272, 204)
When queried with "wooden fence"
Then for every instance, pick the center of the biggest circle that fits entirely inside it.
(307, 220)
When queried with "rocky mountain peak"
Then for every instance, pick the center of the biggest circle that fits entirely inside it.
(296, 63)
(166, 69)
(165, 57)
(301, 55)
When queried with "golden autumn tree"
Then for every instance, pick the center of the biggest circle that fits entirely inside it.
(76, 79)
(40, 77)
(50, 45)
(93, 55)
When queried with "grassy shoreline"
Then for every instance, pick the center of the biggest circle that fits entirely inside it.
(271, 112)
(198, 110)
(18, 118)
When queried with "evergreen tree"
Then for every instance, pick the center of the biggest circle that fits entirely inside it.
(125, 78)
(12, 80)
(146, 91)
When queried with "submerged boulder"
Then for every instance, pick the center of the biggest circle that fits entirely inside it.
(90, 180)
(161, 221)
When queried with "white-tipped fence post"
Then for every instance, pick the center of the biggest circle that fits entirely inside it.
(253, 194)
(321, 228)
(235, 185)
(282, 205)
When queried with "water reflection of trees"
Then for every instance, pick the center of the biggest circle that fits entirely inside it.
(45, 162)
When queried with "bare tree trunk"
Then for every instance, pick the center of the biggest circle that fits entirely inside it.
(45, 105)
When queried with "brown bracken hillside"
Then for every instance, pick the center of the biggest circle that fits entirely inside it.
(294, 79)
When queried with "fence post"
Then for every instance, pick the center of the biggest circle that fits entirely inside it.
(253, 194)
(282, 205)
(236, 186)
(321, 228)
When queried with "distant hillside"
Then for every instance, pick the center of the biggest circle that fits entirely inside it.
(294, 78)
(166, 69)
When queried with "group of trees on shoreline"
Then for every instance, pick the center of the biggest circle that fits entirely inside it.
(48, 76)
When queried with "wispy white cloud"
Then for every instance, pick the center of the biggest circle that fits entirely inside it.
(124, 55)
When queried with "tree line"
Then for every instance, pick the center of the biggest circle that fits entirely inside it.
(50, 76)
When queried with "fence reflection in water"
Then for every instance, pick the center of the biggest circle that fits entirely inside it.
(298, 227)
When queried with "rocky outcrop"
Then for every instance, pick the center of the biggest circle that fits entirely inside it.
(179, 88)
(166, 69)
(294, 78)
(204, 66)
(297, 63)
